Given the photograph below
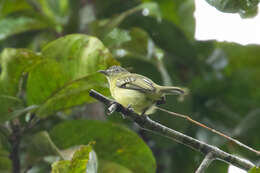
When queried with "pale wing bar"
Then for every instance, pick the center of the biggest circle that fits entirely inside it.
(136, 83)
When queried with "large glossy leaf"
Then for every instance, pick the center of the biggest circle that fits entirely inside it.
(113, 143)
(10, 26)
(68, 72)
(14, 63)
(244, 7)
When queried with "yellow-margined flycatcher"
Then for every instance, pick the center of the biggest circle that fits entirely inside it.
(136, 91)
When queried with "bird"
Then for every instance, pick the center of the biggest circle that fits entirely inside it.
(136, 91)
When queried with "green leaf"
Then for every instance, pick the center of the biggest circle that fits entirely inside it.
(165, 35)
(68, 72)
(151, 9)
(254, 170)
(60, 166)
(242, 7)
(40, 144)
(112, 167)
(133, 42)
(10, 6)
(83, 160)
(4, 142)
(242, 70)
(5, 162)
(113, 143)
(80, 160)
(56, 11)
(10, 26)
(180, 12)
(103, 27)
(14, 63)
(140, 44)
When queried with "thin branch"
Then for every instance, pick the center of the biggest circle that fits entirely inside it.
(212, 130)
(205, 163)
(150, 125)
(14, 140)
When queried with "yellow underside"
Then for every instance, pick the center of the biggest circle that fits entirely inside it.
(139, 101)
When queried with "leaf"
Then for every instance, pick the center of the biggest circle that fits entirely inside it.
(242, 71)
(4, 143)
(254, 170)
(113, 143)
(236, 6)
(5, 162)
(10, 26)
(14, 113)
(60, 166)
(165, 35)
(80, 160)
(84, 160)
(180, 12)
(67, 73)
(139, 44)
(133, 42)
(40, 144)
(11, 6)
(15, 63)
(151, 9)
(56, 11)
(112, 167)
(103, 27)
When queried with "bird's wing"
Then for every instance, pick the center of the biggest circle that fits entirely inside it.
(136, 82)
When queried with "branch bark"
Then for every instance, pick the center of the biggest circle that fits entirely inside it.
(146, 123)
(15, 140)
(205, 163)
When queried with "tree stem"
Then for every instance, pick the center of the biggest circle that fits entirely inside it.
(15, 139)
(146, 123)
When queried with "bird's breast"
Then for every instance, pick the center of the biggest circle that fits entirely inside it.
(137, 100)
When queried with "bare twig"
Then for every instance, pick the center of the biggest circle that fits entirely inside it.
(212, 130)
(205, 163)
(150, 125)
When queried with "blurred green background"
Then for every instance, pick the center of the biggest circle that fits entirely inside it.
(154, 38)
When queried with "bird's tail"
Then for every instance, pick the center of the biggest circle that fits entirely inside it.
(173, 90)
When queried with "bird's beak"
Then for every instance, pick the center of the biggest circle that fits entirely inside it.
(103, 72)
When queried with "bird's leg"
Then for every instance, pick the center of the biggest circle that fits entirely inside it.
(161, 101)
(143, 113)
(158, 102)
(129, 107)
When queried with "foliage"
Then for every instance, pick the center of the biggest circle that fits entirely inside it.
(51, 52)
(127, 149)
(243, 7)
(254, 170)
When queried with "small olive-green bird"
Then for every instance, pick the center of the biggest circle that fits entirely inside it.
(136, 91)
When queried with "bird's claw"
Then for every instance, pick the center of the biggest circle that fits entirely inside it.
(112, 108)
(130, 108)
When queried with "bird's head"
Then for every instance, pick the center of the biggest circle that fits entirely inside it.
(113, 71)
